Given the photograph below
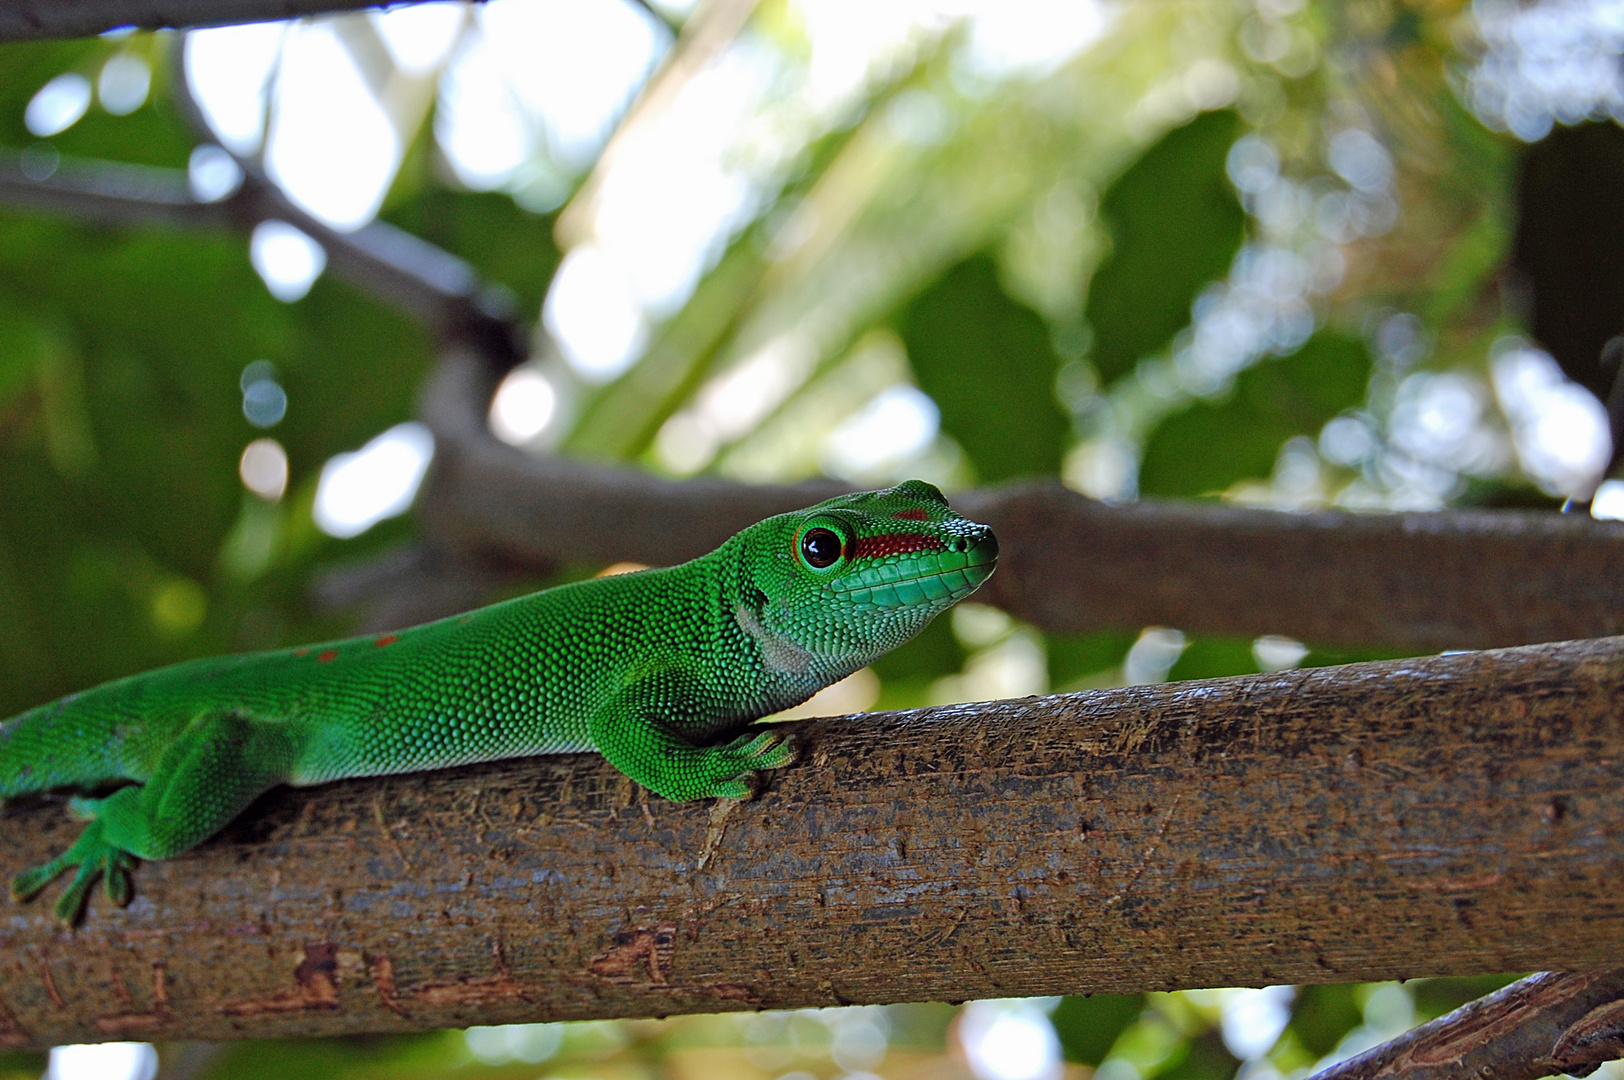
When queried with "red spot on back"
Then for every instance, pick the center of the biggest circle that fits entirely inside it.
(877, 547)
(301, 652)
(387, 639)
(328, 656)
(915, 514)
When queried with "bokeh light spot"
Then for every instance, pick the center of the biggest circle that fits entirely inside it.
(332, 147)
(592, 315)
(506, 1043)
(378, 481)
(522, 407)
(1009, 1040)
(287, 259)
(178, 607)
(212, 173)
(1561, 432)
(896, 424)
(420, 36)
(1608, 503)
(103, 1061)
(1274, 652)
(123, 84)
(1252, 1021)
(228, 69)
(264, 469)
(58, 105)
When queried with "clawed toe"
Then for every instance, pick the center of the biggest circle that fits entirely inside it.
(94, 858)
(29, 882)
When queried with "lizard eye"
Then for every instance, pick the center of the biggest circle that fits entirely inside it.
(820, 548)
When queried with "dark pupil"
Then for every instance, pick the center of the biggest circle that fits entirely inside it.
(821, 547)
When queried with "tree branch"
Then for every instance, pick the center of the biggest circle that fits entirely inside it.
(1453, 579)
(22, 20)
(1446, 816)
(1553, 1022)
(389, 263)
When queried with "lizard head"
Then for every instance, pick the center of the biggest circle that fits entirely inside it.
(852, 578)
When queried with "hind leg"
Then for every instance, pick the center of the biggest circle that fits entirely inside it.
(214, 769)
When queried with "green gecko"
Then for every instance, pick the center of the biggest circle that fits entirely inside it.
(661, 671)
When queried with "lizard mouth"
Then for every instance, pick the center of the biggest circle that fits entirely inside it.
(925, 579)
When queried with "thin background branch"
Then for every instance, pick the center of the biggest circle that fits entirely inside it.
(1553, 1022)
(23, 20)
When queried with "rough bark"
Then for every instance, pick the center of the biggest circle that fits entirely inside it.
(1446, 816)
(1454, 579)
(1552, 1022)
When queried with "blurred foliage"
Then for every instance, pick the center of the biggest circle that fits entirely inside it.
(1204, 1057)
(983, 358)
(1209, 446)
(907, 674)
(121, 414)
(1213, 657)
(1434, 997)
(1323, 1014)
(1087, 1026)
(21, 1064)
(1174, 224)
(505, 243)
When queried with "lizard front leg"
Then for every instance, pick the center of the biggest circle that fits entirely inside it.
(631, 732)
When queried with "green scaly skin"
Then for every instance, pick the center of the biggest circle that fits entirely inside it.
(661, 671)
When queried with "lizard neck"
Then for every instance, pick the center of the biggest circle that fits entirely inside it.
(790, 671)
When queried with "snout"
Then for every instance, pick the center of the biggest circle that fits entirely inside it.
(980, 549)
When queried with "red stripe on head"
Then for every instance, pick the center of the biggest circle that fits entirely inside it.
(387, 639)
(916, 514)
(877, 547)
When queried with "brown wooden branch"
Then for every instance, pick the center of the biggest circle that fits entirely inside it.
(1446, 816)
(1454, 579)
(22, 20)
(1553, 1022)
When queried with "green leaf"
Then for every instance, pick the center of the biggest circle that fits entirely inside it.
(1434, 997)
(1074, 656)
(1212, 444)
(988, 363)
(1175, 225)
(1205, 1058)
(1323, 1014)
(1214, 658)
(1087, 1026)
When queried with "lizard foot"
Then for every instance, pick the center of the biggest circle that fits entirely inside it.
(739, 764)
(94, 857)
